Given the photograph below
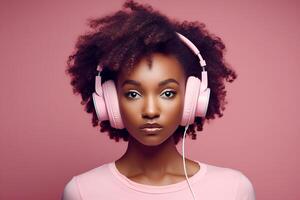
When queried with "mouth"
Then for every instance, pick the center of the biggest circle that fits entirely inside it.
(151, 131)
(151, 128)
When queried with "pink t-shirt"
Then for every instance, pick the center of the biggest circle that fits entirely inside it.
(209, 183)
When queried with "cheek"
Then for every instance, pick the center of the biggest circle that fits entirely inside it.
(130, 112)
(172, 111)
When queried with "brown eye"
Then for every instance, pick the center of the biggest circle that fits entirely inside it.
(169, 94)
(131, 94)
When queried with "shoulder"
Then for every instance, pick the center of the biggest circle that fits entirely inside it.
(245, 189)
(93, 175)
(71, 190)
(234, 179)
(78, 184)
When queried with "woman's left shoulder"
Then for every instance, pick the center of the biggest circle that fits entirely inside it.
(243, 186)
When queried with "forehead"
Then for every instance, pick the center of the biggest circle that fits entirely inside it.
(162, 67)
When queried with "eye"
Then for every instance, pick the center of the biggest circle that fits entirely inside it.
(170, 94)
(132, 94)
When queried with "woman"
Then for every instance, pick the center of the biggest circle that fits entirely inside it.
(151, 89)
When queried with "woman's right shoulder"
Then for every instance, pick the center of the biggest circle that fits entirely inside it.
(71, 190)
(76, 185)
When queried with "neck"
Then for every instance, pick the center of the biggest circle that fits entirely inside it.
(152, 160)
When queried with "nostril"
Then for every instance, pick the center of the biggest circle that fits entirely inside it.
(150, 115)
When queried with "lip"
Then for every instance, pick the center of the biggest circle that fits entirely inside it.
(151, 131)
(151, 126)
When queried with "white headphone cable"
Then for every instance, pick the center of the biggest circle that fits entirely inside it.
(186, 127)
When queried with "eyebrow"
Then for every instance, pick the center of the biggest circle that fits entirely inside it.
(164, 82)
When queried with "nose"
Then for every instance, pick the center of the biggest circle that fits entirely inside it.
(150, 108)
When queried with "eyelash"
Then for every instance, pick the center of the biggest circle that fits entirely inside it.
(171, 91)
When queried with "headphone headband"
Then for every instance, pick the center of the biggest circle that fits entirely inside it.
(193, 48)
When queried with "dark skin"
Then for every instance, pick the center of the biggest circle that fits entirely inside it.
(153, 159)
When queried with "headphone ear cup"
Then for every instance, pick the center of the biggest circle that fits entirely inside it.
(98, 100)
(112, 104)
(202, 103)
(192, 90)
(100, 107)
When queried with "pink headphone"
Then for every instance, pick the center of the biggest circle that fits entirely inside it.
(195, 103)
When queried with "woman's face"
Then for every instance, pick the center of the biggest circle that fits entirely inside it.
(153, 95)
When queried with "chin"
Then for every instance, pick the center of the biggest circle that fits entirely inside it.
(151, 140)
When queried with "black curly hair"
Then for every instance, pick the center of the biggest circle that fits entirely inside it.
(120, 40)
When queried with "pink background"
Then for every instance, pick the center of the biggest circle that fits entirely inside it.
(47, 137)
